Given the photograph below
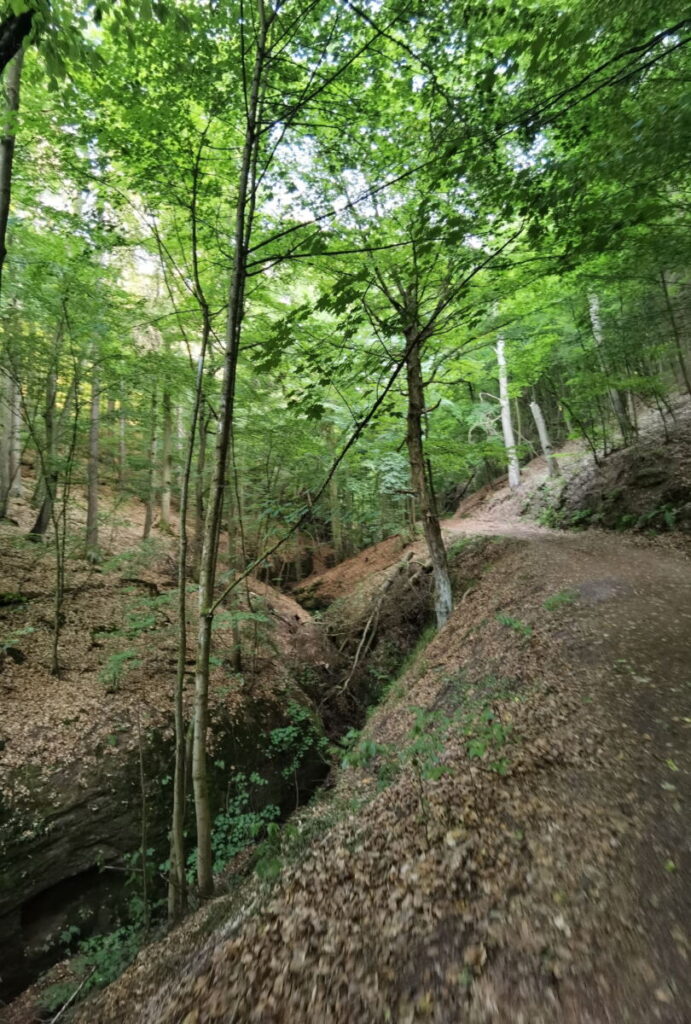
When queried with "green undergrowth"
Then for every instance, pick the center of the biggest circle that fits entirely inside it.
(660, 519)
(558, 600)
(470, 713)
(249, 826)
(246, 821)
(522, 628)
(100, 959)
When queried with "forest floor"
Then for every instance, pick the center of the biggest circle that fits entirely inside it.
(125, 603)
(510, 842)
(516, 842)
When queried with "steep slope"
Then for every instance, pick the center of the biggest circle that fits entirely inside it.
(516, 847)
(73, 747)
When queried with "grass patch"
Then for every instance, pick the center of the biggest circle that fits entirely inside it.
(563, 597)
(522, 628)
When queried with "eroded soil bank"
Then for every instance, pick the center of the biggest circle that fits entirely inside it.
(87, 757)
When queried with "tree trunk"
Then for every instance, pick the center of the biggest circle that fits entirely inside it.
(92, 552)
(236, 547)
(15, 442)
(166, 461)
(616, 399)
(199, 475)
(545, 443)
(207, 576)
(14, 29)
(506, 424)
(5, 447)
(443, 598)
(150, 479)
(177, 883)
(50, 473)
(111, 421)
(335, 515)
(180, 446)
(14, 74)
(676, 333)
(122, 449)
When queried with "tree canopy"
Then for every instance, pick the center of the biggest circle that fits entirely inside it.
(262, 256)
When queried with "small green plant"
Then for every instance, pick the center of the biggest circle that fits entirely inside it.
(427, 743)
(69, 934)
(137, 559)
(142, 614)
(100, 959)
(295, 741)
(662, 517)
(487, 734)
(459, 545)
(270, 859)
(116, 667)
(240, 823)
(515, 624)
(550, 517)
(228, 619)
(424, 755)
(555, 601)
(10, 639)
(562, 519)
(365, 753)
(287, 843)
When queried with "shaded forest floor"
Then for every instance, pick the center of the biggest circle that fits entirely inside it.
(509, 841)
(515, 844)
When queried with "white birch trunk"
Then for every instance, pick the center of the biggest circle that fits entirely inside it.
(506, 424)
(545, 443)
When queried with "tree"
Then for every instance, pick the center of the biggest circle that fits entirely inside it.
(506, 422)
(7, 144)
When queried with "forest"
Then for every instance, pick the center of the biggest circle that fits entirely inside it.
(345, 423)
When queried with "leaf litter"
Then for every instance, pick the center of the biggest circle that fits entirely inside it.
(531, 896)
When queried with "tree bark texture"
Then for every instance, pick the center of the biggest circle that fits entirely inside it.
(150, 482)
(616, 398)
(443, 597)
(214, 515)
(15, 443)
(92, 470)
(506, 423)
(545, 443)
(177, 882)
(5, 432)
(50, 473)
(676, 333)
(166, 460)
(7, 144)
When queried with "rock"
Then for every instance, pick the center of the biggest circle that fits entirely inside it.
(53, 845)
